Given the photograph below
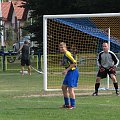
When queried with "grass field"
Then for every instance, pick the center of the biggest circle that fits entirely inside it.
(22, 98)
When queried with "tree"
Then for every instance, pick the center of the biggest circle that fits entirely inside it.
(39, 8)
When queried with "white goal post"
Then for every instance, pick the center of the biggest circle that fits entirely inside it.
(52, 37)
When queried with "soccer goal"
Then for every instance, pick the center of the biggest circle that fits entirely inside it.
(84, 35)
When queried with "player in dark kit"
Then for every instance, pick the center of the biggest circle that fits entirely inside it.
(25, 58)
(107, 62)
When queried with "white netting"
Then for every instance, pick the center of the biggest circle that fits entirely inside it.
(84, 38)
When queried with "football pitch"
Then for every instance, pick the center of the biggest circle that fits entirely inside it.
(22, 98)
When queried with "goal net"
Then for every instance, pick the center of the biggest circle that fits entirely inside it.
(84, 35)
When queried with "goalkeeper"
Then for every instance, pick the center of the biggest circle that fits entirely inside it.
(71, 77)
(107, 62)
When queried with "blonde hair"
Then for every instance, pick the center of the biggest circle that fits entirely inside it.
(62, 44)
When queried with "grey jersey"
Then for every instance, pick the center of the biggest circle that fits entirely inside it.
(107, 59)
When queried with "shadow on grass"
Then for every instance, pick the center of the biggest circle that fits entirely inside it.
(39, 108)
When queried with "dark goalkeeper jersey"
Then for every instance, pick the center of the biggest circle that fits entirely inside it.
(107, 59)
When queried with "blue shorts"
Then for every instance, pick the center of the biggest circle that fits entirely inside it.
(71, 78)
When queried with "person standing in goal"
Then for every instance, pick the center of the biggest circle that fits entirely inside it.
(71, 77)
(25, 58)
(107, 62)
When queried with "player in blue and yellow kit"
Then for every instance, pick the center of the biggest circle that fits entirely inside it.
(71, 77)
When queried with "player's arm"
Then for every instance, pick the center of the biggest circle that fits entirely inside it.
(72, 63)
(115, 59)
(116, 62)
(20, 49)
(99, 59)
(101, 68)
(71, 66)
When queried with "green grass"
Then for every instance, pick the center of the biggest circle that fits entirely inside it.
(21, 98)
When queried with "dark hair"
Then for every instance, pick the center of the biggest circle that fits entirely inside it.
(26, 42)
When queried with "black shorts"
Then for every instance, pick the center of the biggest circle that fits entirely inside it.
(25, 62)
(104, 73)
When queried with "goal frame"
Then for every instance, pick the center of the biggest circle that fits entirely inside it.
(45, 17)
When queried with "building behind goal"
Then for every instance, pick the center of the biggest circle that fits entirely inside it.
(84, 35)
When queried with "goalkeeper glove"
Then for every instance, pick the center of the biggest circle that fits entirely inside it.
(101, 69)
(112, 69)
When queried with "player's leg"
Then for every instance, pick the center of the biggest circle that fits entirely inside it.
(65, 95)
(72, 97)
(112, 74)
(65, 91)
(29, 67)
(22, 70)
(22, 66)
(97, 85)
(102, 73)
(29, 70)
(115, 83)
(73, 82)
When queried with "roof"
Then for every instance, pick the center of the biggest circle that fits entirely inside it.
(21, 13)
(6, 10)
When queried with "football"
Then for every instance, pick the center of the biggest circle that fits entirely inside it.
(25, 72)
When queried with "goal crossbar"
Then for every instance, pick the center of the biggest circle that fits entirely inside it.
(82, 15)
